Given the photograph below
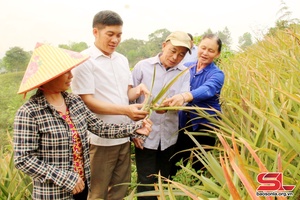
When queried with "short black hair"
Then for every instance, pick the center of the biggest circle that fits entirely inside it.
(107, 18)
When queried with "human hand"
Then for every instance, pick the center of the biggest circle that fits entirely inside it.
(176, 100)
(160, 111)
(135, 113)
(79, 187)
(142, 89)
(146, 129)
(138, 142)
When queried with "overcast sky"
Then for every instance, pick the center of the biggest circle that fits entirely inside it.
(23, 23)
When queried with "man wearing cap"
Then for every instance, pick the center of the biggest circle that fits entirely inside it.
(153, 154)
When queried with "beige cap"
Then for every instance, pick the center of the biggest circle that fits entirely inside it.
(46, 64)
(180, 38)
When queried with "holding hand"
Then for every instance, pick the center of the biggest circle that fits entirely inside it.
(142, 89)
(146, 129)
(160, 111)
(79, 187)
(136, 92)
(138, 142)
(135, 113)
(176, 100)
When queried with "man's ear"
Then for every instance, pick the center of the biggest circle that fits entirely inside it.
(95, 31)
(163, 45)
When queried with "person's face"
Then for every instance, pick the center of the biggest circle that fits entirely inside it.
(108, 38)
(172, 55)
(208, 50)
(59, 84)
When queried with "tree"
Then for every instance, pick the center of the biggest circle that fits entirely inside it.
(284, 21)
(2, 69)
(209, 31)
(136, 50)
(16, 59)
(245, 40)
(74, 46)
(155, 41)
(133, 50)
(225, 36)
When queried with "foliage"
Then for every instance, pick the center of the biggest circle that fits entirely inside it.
(133, 49)
(74, 46)
(10, 102)
(151, 103)
(14, 184)
(16, 59)
(286, 14)
(225, 37)
(260, 125)
(209, 31)
(284, 20)
(136, 50)
(259, 129)
(155, 41)
(2, 67)
(261, 108)
(245, 41)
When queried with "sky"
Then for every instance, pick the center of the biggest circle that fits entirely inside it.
(23, 23)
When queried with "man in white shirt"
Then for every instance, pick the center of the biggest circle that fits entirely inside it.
(104, 82)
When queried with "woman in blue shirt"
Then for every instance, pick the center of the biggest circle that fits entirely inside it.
(205, 87)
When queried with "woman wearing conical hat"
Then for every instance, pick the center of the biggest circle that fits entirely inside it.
(50, 129)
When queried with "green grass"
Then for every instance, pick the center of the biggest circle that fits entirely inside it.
(10, 102)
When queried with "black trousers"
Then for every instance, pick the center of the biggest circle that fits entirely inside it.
(185, 142)
(150, 162)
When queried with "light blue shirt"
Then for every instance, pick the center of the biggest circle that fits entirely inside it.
(165, 126)
(193, 57)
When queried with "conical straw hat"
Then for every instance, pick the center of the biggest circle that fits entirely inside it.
(47, 63)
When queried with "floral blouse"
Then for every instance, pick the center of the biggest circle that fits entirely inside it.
(77, 146)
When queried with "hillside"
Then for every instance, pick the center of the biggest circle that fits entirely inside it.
(10, 101)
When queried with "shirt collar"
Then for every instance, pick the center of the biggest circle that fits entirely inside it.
(95, 52)
(156, 60)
